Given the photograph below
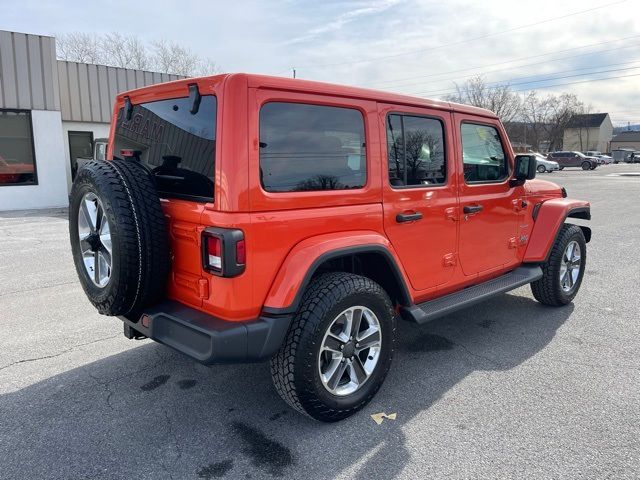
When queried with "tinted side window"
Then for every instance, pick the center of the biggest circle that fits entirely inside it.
(482, 154)
(177, 146)
(311, 147)
(415, 151)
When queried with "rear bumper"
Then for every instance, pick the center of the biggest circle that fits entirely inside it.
(208, 339)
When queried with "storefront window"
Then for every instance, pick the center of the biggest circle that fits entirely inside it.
(17, 162)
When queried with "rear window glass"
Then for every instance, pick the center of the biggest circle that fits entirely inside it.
(311, 147)
(178, 147)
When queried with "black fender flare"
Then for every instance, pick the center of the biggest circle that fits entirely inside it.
(404, 296)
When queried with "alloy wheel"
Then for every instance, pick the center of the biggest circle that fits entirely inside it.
(94, 234)
(570, 266)
(350, 350)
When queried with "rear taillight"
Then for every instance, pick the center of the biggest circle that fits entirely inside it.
(223, 251)
(129, 153)
(241, 253)
(214, 252)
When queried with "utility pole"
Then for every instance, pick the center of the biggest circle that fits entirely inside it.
(294, 72)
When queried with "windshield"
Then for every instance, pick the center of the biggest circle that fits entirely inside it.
(177, 147)
(580, 154)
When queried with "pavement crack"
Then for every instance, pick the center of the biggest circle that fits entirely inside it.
(39, 288)
(173, 435)
(46, 357)
(477, 355)
(574, 363)
(107, 387)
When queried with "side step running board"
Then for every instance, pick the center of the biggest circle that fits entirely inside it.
(427, 311)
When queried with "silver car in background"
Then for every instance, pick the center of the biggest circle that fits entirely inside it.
(545, 165)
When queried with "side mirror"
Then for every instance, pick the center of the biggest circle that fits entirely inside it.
(525, 169)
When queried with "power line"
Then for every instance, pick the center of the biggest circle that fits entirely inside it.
(544, 62)
(461, 42)
(575, 83)
(519, 59)
(508, 82)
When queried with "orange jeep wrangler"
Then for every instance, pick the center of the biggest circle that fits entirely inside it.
(241, 217)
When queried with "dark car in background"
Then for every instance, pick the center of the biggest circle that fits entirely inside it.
(573, 159)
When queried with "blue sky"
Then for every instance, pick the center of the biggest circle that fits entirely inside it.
(416, 47)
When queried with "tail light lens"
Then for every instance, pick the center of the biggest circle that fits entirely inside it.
(214, 252)
(241, 253)
(223, 251)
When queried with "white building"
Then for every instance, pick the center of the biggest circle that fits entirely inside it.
(51, 111)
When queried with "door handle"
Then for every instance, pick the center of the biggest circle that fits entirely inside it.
(408, 217)
(472, 209)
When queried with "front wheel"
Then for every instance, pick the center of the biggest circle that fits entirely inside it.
(338, 349)
(586, 166)
(564, 269)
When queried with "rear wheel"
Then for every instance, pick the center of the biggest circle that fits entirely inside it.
(564, 269)
(541, 169)
(339, 348)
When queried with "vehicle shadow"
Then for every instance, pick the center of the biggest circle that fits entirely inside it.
(151, 413)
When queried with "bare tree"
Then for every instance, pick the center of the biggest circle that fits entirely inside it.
(79, 47)
(548, 117)
(128, 51)
(207, 66)
(172, 58)
(536, 113)
(500, 99)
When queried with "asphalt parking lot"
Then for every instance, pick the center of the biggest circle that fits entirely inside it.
(509, 389)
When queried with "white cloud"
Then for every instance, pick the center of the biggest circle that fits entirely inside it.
(343, 19)
(329, 40)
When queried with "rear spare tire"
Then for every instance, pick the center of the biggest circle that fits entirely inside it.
(118, 236)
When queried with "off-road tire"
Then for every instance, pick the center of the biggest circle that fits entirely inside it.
(541, 168)
(294, 367)
(548, 290)
(140, 245)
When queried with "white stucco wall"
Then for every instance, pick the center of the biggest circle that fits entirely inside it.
(100, 130)
(51, 166)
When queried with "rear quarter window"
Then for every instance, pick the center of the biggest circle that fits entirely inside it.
(306, 147)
